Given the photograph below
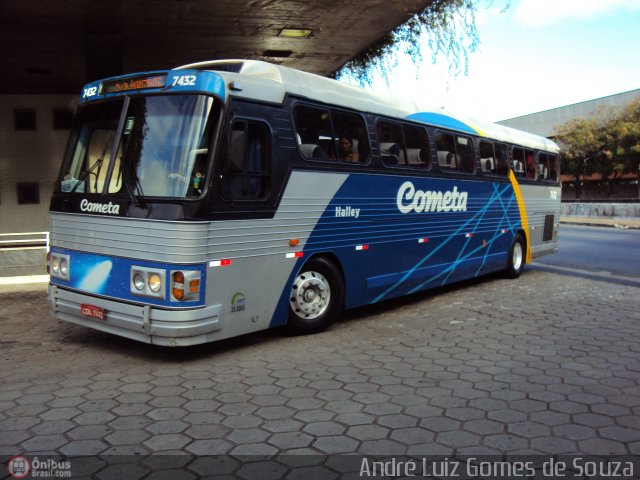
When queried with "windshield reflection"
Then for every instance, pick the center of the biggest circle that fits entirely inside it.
(162, 151)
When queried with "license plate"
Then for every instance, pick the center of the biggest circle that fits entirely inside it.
(91, 311)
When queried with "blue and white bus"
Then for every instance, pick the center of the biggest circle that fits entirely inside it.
(226, 197)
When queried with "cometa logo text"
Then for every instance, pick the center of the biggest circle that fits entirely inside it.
(409, 199)
(109, 208)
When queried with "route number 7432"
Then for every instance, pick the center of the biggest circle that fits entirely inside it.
(184, 80)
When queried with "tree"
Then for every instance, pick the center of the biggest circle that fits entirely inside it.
(445, 27)
(580, 146)
(623, 140)
(608, 143)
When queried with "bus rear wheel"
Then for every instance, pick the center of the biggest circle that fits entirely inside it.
(516, 257)
(316, 297)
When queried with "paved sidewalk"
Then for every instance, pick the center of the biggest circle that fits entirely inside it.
(540, 365)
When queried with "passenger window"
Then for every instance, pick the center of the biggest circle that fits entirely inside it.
(391, 143)
(530, 164)
(502, 161)
(487, 158)
(314, 135)
(417, 147)
(455, 152)
(324, 134)
(553, 168)
(547, 168)
(350, 137)
(493, 158)
(518, 162)
(446, 151)
(246, 172)
(464, 149)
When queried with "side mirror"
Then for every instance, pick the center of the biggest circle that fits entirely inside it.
(237, 150)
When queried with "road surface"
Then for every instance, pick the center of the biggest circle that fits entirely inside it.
(596, 252)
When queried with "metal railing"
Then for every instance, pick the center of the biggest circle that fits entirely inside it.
(24, 241)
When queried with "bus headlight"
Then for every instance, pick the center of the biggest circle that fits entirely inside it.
(64, 267)
(147, 282)
(59, 265)
(155, 282)
(55, 264)
(139, 281)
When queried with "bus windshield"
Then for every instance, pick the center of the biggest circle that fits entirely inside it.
(162, 149)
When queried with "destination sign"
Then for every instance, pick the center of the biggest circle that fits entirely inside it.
(135, 83)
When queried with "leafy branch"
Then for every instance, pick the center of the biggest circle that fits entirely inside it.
(446, 27)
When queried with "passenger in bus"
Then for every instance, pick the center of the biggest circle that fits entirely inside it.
(345, 150)
(530, 167)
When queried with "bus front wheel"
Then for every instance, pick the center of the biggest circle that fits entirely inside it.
(316, 297)
(516, 257)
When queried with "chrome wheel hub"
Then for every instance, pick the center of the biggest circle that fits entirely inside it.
(310, 295)
(517, 257)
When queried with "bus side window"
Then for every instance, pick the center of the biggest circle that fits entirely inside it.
(417, 146)
(246, 172)
(488, 158)
(391, 143)
(530, 164)
(502, 162)
(313, 132)
(543, 166)
(553, 168)
(464, 149)
(446, 151)
(518, 161)
(548, 167)
(350, 127)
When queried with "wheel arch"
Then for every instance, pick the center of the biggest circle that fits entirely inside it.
(329, 256)
(333, 258)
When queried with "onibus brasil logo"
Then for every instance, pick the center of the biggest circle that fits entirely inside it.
(21, 467)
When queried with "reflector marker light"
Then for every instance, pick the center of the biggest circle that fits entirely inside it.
(423, 240)
(468, 235)
(225, 262)
(533, 227)
(362, 247)
(504, 231)
(295, 254)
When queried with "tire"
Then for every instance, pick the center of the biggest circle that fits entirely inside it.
(316, 297)
(516, 257)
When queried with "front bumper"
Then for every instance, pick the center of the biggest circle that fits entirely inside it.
(138, 322)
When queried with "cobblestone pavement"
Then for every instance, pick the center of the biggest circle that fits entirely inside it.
(547, 364)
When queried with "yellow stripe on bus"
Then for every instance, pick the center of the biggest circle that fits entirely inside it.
(523, 214)
(478, 130)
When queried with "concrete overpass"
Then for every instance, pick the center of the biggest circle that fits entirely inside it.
(55, 46)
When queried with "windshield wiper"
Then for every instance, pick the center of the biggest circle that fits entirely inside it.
(129, 177)
(85, 173)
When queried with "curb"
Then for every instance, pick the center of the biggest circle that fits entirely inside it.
(612, 224)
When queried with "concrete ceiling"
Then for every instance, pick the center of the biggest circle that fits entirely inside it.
(55, 46)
